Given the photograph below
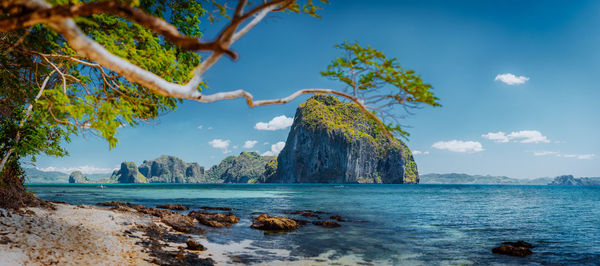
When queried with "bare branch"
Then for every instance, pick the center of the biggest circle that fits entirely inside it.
(252, 103)
(60, 19)
(156, 24)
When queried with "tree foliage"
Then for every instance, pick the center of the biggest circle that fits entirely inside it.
(85, 66)
(50, 91)
(381, 83)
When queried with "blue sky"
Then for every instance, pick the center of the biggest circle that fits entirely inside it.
(545, 126)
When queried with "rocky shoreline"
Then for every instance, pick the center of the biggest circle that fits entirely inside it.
(119, 233)
(128, 234)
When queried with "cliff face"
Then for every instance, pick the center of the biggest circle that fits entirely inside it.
(335, 142)
(77, 177)
(248, 167)
(128, 173)
(170, 169)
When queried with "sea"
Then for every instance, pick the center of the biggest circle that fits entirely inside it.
(386, 224)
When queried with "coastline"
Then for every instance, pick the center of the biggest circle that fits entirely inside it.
(384, 225)
(67, 234)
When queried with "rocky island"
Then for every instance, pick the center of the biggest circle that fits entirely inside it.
(335, 142)
(569, 180)
(248, 167)
(330, 142)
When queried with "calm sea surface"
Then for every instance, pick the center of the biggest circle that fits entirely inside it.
(390, 224)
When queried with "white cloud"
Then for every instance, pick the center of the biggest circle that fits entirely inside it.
(86, 169)
(277, 123)
(528, 136)
(266, 143)
(275, 149)
(235, 146)
(249, 144)
(558, 154)
(220, 144)
(416, 152)
(200, 127)
(497, 137)
(459, 146)
(578, 156)
(511, 79)
(544, 153)
(586, 156)
(210, 128)
(523, 136)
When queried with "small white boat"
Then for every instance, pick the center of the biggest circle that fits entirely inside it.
(101, 186)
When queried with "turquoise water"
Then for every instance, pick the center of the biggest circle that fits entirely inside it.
(391, 224)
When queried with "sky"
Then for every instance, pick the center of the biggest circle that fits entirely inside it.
(517, 80)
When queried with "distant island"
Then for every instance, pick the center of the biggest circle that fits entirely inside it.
(329, 142)
(250, 167)
(454, 178)
(569, 180)
(335, 142)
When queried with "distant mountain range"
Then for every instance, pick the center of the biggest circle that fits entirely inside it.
(454, 178)
(240, 169)
(569, 180)
(248, 167)
(33, 175)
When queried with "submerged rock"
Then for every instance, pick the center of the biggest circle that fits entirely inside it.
(274, 223)
(337, 217)
(335, 142)
(329, 224)
(175, 207)
(218, 220)
(216, 208)
(517, 249)
(310, 214)
(519, 243)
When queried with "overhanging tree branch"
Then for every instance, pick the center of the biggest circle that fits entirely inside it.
(156, 24)
(60, 19)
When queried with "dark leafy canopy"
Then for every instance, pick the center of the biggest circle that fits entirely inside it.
(90, 97)
(81, 96)
(381, 83)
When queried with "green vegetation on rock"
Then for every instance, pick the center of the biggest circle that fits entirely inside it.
(336, 142)
(128, 173)
(248, 167)
(77, 177)
(170, 169)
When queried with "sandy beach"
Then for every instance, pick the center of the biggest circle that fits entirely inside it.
(88, 235)
(92, 235)
(70, 235)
